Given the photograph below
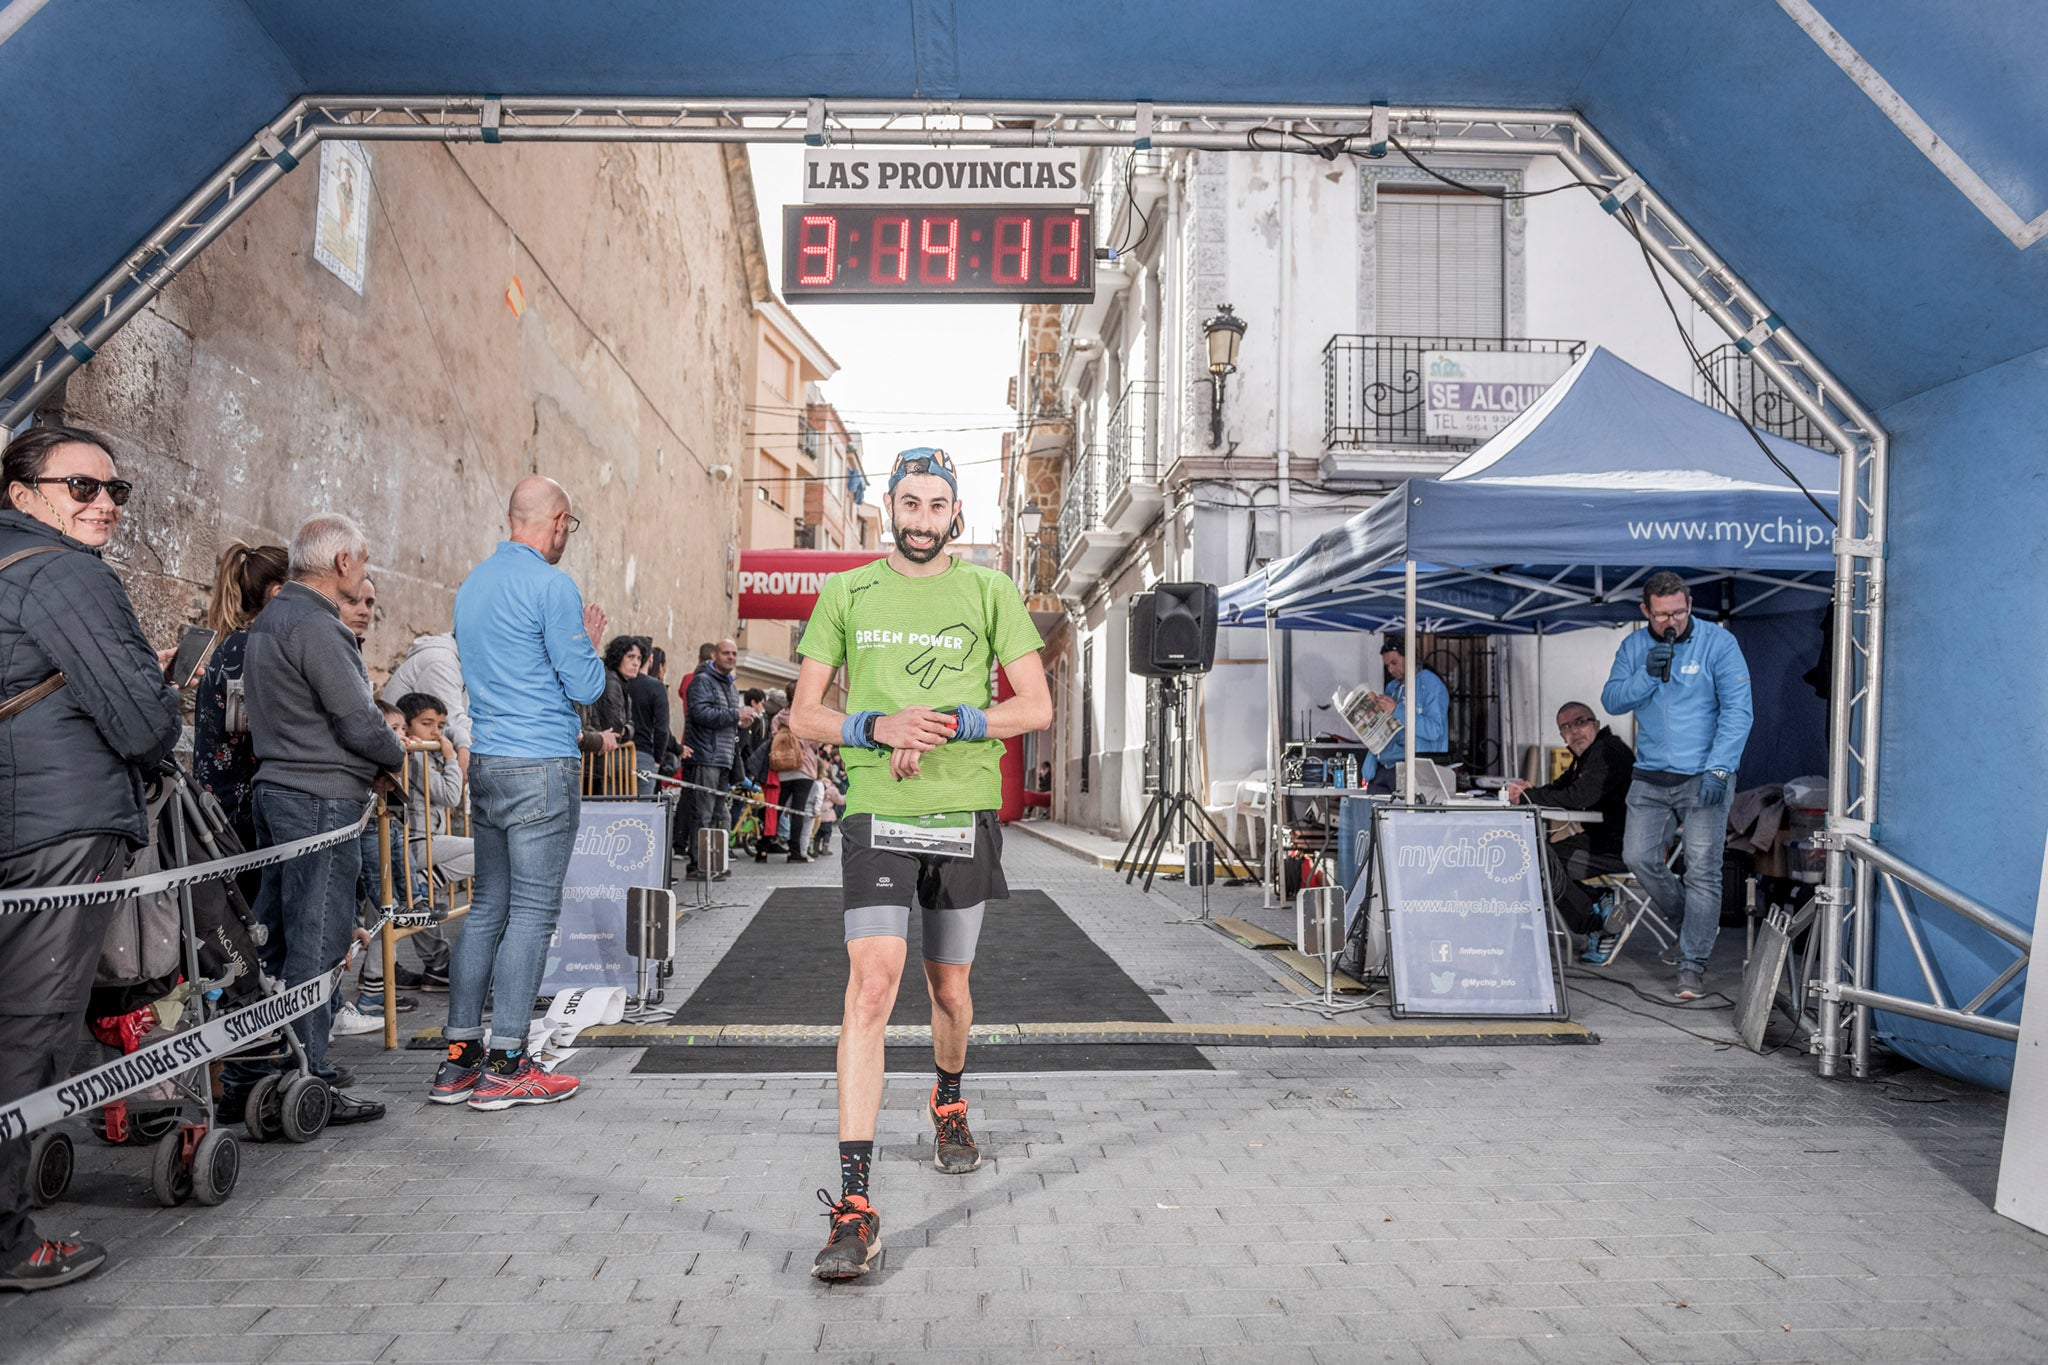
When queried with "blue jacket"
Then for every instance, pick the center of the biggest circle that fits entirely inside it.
(1432, 718)
(526, 660)
(711, 715)
(1697, 721)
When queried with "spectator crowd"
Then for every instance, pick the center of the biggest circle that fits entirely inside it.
(476, 744)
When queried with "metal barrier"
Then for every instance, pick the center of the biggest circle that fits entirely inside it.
(401, 854)
(1846, 979)
(612, 773)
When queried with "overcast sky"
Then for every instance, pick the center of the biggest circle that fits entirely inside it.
(909, 375)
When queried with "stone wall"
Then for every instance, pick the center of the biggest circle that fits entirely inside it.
(261, 388)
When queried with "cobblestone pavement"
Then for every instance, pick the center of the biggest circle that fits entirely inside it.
(1658, 1197)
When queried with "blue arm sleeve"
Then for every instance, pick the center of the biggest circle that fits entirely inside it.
(1734, 711)
(1629, 684)
(570, 652)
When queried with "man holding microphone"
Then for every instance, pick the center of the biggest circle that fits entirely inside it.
(1686, 681)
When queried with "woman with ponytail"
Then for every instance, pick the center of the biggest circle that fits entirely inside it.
(222, 759)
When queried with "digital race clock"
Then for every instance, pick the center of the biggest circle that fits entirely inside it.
(965, 253)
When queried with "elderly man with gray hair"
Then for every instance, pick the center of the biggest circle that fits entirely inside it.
(321, 745)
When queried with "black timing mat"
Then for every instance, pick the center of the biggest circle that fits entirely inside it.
(1033, 965)
(992, 1059)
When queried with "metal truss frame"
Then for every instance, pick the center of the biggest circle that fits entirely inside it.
(1855, 864)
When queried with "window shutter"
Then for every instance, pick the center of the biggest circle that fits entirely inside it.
(1439, 265)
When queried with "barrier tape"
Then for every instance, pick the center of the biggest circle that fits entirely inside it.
(731, 793)
(179, 1053)
(28, 900)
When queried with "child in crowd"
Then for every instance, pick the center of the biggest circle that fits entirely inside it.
(417, 717)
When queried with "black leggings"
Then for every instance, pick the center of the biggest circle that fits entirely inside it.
(796, 794)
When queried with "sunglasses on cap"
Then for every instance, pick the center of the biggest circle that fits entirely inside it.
(84, 488)
(923, 461)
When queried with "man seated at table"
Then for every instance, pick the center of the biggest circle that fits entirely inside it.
(1598, 779)
(1432, 714)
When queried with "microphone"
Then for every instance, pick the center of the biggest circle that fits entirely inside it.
(1668, 637)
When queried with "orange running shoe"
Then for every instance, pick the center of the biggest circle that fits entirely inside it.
(854, 1242)
(954, 1151)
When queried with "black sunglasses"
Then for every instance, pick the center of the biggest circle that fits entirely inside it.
(84, 488)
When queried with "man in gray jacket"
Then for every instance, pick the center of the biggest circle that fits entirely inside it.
(712, 717)
(321, 745)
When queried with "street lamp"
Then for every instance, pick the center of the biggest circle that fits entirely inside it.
(1224, 333)
(1029, 521)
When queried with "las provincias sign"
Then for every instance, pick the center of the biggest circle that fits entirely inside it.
(900, 175)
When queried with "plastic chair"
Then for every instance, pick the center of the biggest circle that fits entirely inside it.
(1222, 807)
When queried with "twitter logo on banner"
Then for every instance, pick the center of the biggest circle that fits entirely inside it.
(1441, 982)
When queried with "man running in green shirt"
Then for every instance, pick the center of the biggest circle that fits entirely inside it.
(917, 633)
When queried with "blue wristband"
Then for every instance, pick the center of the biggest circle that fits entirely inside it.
(853, 731)
(973, 722)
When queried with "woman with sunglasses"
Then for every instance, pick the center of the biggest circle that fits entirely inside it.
(84, 713)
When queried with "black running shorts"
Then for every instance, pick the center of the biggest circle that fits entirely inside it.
(879, 888)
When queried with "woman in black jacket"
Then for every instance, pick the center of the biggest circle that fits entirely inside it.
(98, 715)
(608, 721)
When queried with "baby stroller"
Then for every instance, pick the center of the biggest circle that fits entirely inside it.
(171, 962)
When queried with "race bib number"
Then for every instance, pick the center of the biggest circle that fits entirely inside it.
(941, 836)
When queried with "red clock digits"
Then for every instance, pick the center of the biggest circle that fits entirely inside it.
(889, 263)
(818, 249)
(938, 256)
(1062, 253)
(1013, 249)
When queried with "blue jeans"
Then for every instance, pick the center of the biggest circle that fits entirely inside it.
(523, 813)
(309, 903)
(1654, 815)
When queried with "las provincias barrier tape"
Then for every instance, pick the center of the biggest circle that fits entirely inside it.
(144, 1067)
(29, 899)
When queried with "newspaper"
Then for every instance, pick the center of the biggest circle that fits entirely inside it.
(1376, 729)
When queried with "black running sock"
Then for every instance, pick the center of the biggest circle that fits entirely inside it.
(854, 1160)
(949, 1086)
(505, 1063)
(469, 1052)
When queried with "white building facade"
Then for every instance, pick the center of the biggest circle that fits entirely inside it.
(1345, 273)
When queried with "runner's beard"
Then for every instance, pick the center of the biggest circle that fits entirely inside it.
(912, 552)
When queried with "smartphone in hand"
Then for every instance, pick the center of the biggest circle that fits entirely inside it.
(193, 647)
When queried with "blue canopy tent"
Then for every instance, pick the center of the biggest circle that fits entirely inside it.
(1554, 522)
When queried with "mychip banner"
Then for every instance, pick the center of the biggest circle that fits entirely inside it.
(618, 844)
(1468, 932)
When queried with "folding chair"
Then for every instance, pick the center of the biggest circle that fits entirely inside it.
(1637, 910)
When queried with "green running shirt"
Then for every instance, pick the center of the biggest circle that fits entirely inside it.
(920, 642)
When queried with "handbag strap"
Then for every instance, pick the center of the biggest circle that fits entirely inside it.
(21, 701)
(32, 550)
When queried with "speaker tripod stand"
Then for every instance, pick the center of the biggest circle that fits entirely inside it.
(1171, 809)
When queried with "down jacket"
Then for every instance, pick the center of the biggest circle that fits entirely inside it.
(711, 715)
(72, 764)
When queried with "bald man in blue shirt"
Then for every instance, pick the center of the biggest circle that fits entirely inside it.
(524, 636)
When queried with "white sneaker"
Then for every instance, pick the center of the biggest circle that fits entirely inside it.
(348, 1019)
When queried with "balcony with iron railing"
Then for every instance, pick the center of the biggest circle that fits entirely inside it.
(1131, 458)
(1752, 394)
(1080, 510)
(809, 439)
(1374, 387)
